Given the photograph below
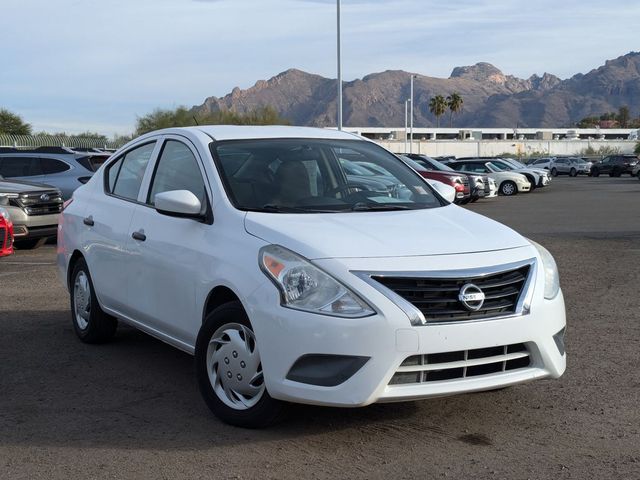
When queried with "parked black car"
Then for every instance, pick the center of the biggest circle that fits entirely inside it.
(615, 165)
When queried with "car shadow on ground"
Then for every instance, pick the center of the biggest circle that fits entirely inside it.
(137, 392)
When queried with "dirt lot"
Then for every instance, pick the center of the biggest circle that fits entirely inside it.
(131, 409)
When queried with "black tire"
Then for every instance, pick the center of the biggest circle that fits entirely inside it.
(595, 172)
(554, 172)
(475, 199)
(100, 327)
(29, 243)
(573, 172)
(508, 188)
(616, 172)
(267, 410)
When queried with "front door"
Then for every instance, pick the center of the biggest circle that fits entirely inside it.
(167, 250)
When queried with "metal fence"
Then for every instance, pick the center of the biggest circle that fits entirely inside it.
(18, 141)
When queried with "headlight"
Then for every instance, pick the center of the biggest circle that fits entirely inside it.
(551, 276)
(304, 286)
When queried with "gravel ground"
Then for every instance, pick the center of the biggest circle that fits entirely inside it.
(131, 409)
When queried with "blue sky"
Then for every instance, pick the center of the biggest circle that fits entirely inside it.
(87, 64)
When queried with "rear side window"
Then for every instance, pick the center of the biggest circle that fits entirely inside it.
(51, 165)
(20, 167)
(124, 176)
(177, 169)
(92, 163)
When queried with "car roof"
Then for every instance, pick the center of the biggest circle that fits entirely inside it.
(244, 132)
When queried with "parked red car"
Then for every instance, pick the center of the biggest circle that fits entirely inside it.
(458, 181)
(6, 233)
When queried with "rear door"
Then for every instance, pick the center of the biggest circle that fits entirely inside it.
(57, 173)
(107, 220)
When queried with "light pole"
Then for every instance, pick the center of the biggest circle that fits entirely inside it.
(339, 71)
(411, 116)
(406, 114)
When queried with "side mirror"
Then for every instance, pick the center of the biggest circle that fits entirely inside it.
(446, 191)
(178, 203)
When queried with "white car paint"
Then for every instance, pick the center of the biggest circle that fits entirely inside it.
(161, 285)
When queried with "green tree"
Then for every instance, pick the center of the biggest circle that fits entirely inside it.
(588, 122)
(12, 124)
(623, 116)
(438, 106)
(454, 102)
(184, 117)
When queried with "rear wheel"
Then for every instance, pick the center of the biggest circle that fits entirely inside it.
(90, 322)
(229, 370)
(508, 188)
(573, 172)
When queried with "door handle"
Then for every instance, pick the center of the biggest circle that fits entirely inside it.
(139, 236)
(89, 221)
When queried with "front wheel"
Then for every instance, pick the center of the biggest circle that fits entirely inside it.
(595, 172)
(554, 172)
(573, 172)
(508, 188)
(90, 322)
(229, 370)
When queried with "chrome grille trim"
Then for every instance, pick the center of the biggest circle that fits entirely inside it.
(417, 318)
(427, 368)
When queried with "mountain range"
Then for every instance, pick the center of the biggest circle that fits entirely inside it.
(491, 98)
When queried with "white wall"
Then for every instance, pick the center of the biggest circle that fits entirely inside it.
(488, 148)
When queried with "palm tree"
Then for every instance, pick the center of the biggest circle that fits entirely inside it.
(454, 102)
(438, 106)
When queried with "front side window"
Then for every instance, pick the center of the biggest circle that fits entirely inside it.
(124, 176)
(177, 169)
(309, 175)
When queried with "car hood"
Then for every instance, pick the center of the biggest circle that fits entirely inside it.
(436, 231)
(20, 186)
(501, 176)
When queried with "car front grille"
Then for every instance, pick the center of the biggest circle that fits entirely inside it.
(40, 203)
(438, 298)
(440, 367)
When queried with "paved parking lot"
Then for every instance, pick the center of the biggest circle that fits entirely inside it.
(131, 409)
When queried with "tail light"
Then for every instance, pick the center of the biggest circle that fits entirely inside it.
(457, 184)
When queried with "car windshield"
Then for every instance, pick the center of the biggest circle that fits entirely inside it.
(432, 163)
(517, 164)
(494, 167)
(312, 176)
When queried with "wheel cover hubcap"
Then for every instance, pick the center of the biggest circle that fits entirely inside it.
(234, 368)
(82, 300)
(508, 189)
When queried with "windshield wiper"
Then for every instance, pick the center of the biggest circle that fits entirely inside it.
(272, 208)
(363, 207)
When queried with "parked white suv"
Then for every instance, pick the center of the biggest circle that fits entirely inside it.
(247, 247)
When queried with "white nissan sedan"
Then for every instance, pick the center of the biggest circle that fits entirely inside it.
(291, 281)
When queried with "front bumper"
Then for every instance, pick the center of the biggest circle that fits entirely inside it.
(387, 339)
(523, 186)
(32, 226)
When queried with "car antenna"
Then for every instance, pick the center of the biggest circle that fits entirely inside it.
(195, 120)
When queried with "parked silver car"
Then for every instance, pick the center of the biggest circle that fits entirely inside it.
(572, 166)
(33, 209)
(59, 167)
